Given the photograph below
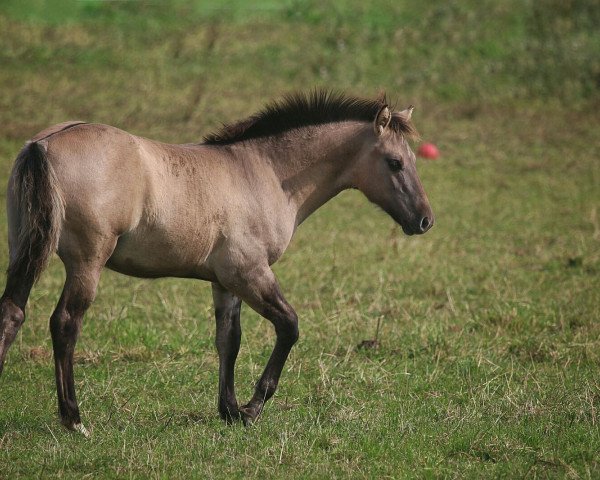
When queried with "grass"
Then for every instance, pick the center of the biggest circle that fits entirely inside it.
(489, 324)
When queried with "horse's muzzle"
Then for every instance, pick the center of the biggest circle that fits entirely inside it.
(425, 224)
(419, 227)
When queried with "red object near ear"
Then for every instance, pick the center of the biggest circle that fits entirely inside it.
(428, 150)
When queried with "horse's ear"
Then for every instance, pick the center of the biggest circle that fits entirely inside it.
(406, 114)
(382, 120)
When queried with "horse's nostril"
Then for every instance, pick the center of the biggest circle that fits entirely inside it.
(425, 224)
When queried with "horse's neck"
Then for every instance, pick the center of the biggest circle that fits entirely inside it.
(312, 164)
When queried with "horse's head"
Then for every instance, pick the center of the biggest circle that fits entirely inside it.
(386, 172)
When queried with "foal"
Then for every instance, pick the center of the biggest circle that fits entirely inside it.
(223, 211)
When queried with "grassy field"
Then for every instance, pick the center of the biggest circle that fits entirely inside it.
(489, 324)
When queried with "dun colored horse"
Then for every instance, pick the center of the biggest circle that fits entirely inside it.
(223, 211)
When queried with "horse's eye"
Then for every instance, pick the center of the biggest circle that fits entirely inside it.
(395, 164)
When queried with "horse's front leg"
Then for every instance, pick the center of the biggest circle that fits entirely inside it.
(261, 291)
(227, 316)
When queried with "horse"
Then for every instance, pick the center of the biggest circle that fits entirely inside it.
(222, 210)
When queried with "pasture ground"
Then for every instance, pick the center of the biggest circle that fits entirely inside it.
(489, 324)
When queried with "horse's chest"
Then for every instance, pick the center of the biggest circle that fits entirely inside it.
(263, 236)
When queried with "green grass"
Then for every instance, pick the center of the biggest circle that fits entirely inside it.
(490, 332)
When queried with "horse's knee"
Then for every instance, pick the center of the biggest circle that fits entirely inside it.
(287, 327)
(293, 330)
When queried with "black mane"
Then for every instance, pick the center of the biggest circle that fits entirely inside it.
(302, 110)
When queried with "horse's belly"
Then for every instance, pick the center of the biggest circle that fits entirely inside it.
(152, 256)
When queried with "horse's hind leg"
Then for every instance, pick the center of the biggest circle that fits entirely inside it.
(12, 311)
(65, 324)
(18, 286)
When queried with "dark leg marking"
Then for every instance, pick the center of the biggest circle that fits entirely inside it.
(12, 311)
(65, 325)
(227, 316)
(275, 309)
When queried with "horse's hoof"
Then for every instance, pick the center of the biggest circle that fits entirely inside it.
(77, 427)
(249, 415)
(231, 417)
(81, 429)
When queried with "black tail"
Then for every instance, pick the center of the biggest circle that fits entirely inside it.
(36, 211)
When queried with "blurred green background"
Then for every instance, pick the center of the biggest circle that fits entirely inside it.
(489, 324)
(192, 65)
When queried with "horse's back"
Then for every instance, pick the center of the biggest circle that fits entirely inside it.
(168, 207)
